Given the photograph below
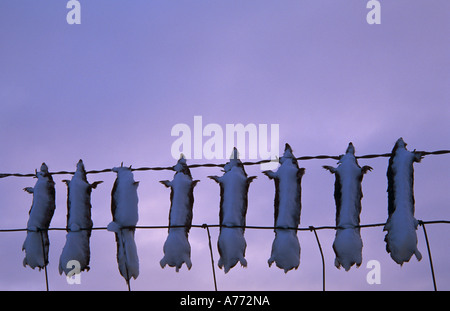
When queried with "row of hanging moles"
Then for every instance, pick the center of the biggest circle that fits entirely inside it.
(401, 225)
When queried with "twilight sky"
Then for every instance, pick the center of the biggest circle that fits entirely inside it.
(111, 89)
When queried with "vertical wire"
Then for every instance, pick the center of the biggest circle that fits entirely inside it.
(429, 254)
(211, 254)
(45, 259)
(321, 254)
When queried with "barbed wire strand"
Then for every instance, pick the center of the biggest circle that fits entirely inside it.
(45, 259)
(226, 226)
(161, 168)
(207, 226)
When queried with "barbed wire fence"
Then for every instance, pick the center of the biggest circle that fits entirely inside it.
(206, 226)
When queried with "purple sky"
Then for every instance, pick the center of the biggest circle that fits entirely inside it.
(111, 89)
